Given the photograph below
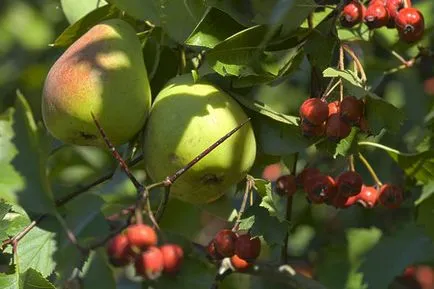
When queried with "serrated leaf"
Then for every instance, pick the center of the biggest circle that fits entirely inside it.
(382, 264)
(291, 14)
(382, 115)
(76, 30)
(261, 223)
(76, 9)
(31, 279)
(241, 11)
(10, 180)
(97, 272)
(4, 209)
(11, 223)
(213, 28)
(30, 162)
(352, 83)
(243, 57)
(348, 145)
(417, 165)
(177, 18)
(35, 251)
(275, 204)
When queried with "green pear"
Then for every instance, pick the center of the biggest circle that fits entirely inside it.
(103, 73)
(185, 119)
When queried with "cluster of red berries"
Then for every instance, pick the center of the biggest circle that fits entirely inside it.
(333, 119)
(408, 21)
(343, 191)
(138, 244)
(241, 249)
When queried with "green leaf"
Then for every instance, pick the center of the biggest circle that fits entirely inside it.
(291, 13)
(341, 259)
(214, 27)
(4, 209)
(243, 57)
(382, 264)
(382, 115)
(35, 251)
(177, 18)
(261, 223)
(241, 11)
(425, 214)
(235, 55)
(325, 37)
(351, 81)
(76, 9)
(10, 180)
(12, 222)
(76, 30)
(417, 165)
(97, 272)
(277, 139)
(31, 279)
(32, 145)
(348, 145)
(194, 273)
(275, 204)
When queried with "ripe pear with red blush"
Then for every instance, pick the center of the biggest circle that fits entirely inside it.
(102, 73)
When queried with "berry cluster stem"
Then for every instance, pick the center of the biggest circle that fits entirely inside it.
(288, 214)
(370, 169)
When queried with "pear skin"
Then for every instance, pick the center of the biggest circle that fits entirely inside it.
(102, 72)
(185, 119)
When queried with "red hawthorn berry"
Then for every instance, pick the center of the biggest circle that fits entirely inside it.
(248, 248)
(141, 236)
(342, 202)
(272, 172)
(314, 110)
(118, 250)
(349, 184)
(150, 263)
(173, 256)
(239, 264)
(225, 242)
(305, 175)
(334, 107)
(391, 196)
(368, 196)
(337, 128)
(352, 14)
(309, 130)
(351, 109)
(376, 16)
(410, 24)
(212, 251)
(379, 2)
(319, 188)
(286, 186)
(393, 7)
(425, 276)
